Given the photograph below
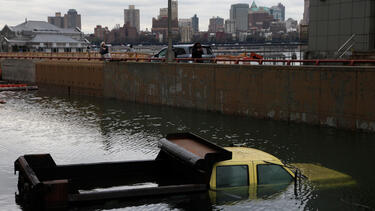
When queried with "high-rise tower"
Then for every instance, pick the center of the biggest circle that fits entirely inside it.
(132, 17)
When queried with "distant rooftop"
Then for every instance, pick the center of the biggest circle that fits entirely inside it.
(253, 5)
(255, 8)
(52, 38)
(41, 26)
(240, 5)
(72, 11)
(35, 26)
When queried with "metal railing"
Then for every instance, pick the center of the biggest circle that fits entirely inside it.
(346, 46)
(88, 55)
(239, 61)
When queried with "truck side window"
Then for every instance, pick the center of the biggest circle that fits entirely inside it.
(179, 51)
(232, 176)
(272, 174)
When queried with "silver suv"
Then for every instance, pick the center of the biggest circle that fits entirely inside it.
(185, 51)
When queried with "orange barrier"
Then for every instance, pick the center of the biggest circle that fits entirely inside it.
(13, 85)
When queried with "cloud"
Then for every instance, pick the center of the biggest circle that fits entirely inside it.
(111, 12)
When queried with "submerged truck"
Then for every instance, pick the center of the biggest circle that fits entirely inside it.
(185, 164)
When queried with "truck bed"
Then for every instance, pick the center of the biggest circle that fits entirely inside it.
(183, 165)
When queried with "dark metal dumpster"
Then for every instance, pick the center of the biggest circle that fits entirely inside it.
(183, 165)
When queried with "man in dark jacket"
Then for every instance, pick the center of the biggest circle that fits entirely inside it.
(103, 50)
(197, 52)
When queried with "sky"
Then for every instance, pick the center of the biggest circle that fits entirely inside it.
(111, 12)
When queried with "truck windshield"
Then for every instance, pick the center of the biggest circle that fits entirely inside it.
(232, 176)
(272, 174)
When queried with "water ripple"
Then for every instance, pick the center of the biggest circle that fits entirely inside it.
(85, 130)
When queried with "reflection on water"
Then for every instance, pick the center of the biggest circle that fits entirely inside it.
(81, 130)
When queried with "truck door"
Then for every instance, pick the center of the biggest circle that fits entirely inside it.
(232, 182)
(271, 178)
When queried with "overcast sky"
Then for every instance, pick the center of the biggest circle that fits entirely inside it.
(111, 12)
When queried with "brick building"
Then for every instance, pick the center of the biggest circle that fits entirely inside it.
(101, 32)
(160, 27)
(71, 20)
(260, 19)
(125, 34)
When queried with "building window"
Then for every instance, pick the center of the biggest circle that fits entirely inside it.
(68, 50)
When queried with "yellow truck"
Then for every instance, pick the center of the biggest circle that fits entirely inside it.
(186, 163)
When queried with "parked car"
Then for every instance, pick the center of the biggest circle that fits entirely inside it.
(185, 52)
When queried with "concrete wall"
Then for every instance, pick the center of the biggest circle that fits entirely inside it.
(72, 77)
(18, 70)
(333, 22)
(340, 97)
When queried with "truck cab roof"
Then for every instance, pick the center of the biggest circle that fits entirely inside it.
(250, 154)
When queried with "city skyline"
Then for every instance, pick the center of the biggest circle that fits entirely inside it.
(95, 12)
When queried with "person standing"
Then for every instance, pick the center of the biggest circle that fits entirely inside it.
(104, 52)
(131, 49)
(88, 50)
(197, 52)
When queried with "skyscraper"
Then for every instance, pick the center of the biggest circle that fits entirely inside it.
(230, 26)
(278, 12)
(306, 14)
(216, 24)
(132, 17)
(174, 10)
(72, 19)
(239, 14)
(186, 29)
(164, 11)
(160, 24)
(282, 8)
(195, 23)
(56, 20)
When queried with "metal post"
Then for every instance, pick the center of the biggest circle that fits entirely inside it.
(170, 53)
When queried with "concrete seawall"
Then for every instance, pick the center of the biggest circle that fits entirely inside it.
(18, 70)
(341, 97)
(72, 77)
